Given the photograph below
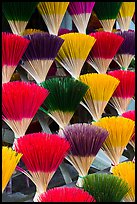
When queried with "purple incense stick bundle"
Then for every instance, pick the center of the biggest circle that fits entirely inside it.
(80, 13)
(85, 140)
(126, 52)
(40, 54)
(63, 31)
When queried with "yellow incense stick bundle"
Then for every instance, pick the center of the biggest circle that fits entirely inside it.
(10, 159)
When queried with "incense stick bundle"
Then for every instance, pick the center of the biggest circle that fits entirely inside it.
(42, 155)
(20, 102)
(63, 31)
(120, 131)
(107, 13)
(101, 88)
(131, 115)
(18, 14)
(65, 194)
(80, 13)
(31, 31)
(74, 51)
(126, 171)
(85, 141)
(13, 47)
(106, 187)
(40, 54)
(104, 50)
(64, 98)
(10, 159)
(126, 52)
(52, 14)
(125, 15)
(124, 91)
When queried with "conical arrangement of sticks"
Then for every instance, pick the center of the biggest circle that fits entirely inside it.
(76, 80)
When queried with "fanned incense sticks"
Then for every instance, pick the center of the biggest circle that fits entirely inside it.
(20, 102)
(120, 131)
(126, 52)
(65, 96)
(40, 54)
(52, 14)
(125, 15)
(18, 14)
(63, 31)
(104, 50)
(107, 13)
(124, 91)
(106, 187)
(13, 47)
(74, 51)
(10, 159)
(131, 115)
(80, 13)
(42, 155)
(85, 140)
(65, 194)
(31, 31)
(126, 171)
(101, 88)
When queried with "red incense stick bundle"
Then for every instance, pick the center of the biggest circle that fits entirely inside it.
(131, 115)
(104, 50)
(42, 155)
(20, 102)
(124, 91)
(66, 194)
(13, 47)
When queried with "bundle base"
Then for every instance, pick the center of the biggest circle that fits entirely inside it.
(7, 72)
